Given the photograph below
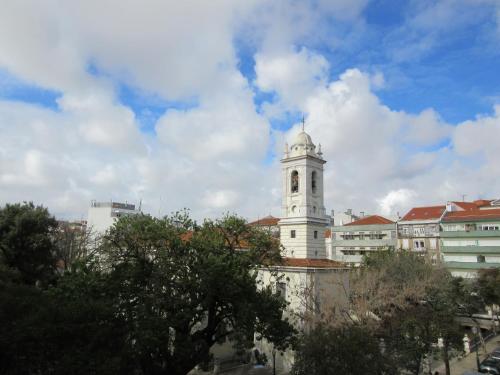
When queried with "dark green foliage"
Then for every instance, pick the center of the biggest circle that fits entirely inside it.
(26, 244)
(185, 287)
(345, 350)
(159, 294)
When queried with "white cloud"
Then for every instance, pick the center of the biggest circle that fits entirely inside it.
(396, 200)
(215, 157)
(292, 75)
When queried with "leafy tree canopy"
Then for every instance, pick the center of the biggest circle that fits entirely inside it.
(26, 242)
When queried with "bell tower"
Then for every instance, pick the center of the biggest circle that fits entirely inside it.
(303, 218)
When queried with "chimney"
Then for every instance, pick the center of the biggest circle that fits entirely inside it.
(349, 211)
(362, 213)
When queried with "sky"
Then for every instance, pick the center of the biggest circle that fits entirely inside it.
(188, 104)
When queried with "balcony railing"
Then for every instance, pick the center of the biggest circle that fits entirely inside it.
(471, 233)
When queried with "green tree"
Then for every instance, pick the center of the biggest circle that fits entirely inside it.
(183, 287)
(350, 349)
(488, 287)
(27, 249)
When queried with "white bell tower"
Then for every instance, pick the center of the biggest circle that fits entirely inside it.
(303, 219)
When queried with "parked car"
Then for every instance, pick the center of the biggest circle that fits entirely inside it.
(490, 366)
(495, 354)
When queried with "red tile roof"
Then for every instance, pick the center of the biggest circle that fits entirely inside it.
(483, 202)
(424, 213)
(473, 215)
(266, 221)
(371, 220)
(312, 263)
(466, 205)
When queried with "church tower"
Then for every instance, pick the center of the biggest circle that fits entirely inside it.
(303, 219)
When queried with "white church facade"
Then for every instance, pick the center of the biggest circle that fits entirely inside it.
(307, 279)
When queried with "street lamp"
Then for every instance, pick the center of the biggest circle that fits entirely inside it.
(474, 331)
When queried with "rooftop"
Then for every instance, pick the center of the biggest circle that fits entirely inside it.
(424, 213)
(371, 220)
(266, 221)
(493, 214)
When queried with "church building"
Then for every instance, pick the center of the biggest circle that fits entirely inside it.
(307, 279)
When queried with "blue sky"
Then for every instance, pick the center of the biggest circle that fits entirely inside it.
(140, 92)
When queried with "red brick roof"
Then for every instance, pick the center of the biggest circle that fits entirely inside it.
(312, 263)
(371, 220)
(266, 221)
(424, 213)
(473, 215)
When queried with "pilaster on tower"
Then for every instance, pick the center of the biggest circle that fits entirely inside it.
(303, 218)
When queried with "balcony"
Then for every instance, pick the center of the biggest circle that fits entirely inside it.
(470, 249)
(365, 243)
(472, 233)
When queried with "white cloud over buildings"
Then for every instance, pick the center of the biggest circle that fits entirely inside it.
(217, 155)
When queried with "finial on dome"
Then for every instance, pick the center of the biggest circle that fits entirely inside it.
(303, 122)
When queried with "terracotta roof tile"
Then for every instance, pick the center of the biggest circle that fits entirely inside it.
(371, 220)
(424, 213)
(466, 205)
(312, 263)
(483, 202)
(472, 215)
(266, 221)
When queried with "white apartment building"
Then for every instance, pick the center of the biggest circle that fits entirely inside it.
(102, 215)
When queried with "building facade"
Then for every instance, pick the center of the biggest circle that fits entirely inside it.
(470, 238)
(350, 242)
(418, 231)
(306, 278)
(102, 215)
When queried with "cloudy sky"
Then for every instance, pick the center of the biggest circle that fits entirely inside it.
(189, 103)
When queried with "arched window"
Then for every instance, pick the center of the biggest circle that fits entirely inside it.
(295, 182)
(313, 181)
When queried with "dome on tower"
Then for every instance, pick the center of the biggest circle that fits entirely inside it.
(303, 145)
(303, 139)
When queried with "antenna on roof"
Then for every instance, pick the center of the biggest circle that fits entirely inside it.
(463, 197)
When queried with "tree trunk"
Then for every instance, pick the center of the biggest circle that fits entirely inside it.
(446, 357)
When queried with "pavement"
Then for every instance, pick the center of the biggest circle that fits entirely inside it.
(468, 363)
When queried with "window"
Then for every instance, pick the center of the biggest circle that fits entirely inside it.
(294, 183)
(313, 182)
(361, 235)
(418, 245)
(349, 236)
(481, 259)
(315, 234)
(281, 289)
(489, 227)
(292, 233)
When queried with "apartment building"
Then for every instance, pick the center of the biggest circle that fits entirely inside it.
(351, 241)
(418, 231)
(470, 237)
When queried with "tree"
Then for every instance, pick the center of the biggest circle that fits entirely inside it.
(488, 287)
(27, 247)
(73, 243)
(183, 287)
(350, 349)
(405, 301)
